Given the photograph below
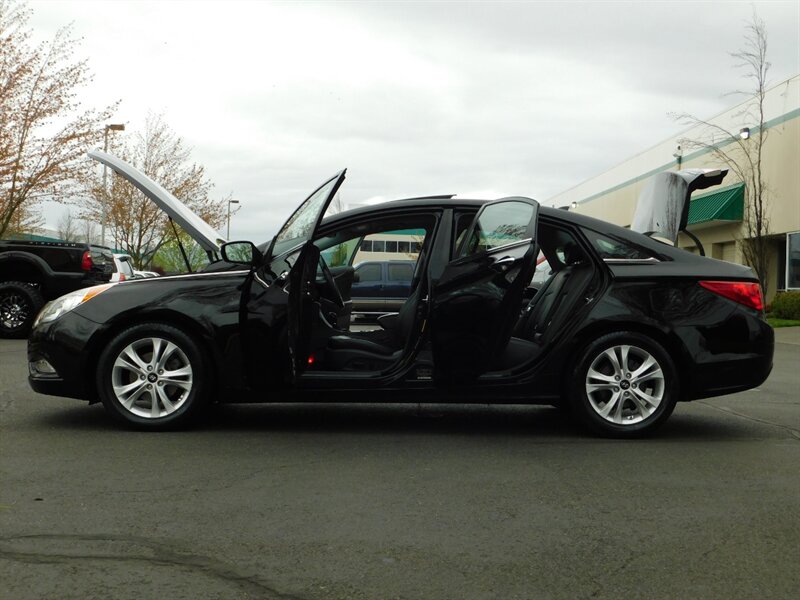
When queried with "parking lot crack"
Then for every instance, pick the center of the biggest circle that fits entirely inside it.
(69, 548)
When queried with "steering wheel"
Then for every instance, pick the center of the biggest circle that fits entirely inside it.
(331, 283)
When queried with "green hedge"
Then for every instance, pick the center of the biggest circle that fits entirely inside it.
(786, 305)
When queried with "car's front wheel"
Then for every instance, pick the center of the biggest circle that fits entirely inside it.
(153, 376)
(624, 385)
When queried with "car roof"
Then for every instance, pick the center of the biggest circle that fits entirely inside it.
(548, 212)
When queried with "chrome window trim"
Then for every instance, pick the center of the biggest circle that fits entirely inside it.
(633, 261)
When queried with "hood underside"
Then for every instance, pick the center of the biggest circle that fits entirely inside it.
(200, 231)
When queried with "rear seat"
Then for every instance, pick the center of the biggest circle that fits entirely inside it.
(556, 298)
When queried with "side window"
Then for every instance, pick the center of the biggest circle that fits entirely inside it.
(400, 272)
(369, 272)
(463, 221)
(391, 245)
(127, 268)
(498, 225)
(340, 254)
(612, 248)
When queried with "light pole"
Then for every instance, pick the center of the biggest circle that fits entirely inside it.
(110, 127)
(229, 217)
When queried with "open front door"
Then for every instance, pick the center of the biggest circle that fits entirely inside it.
(298, 231)
(476, 301)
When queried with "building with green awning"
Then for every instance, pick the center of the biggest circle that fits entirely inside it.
(717, 216)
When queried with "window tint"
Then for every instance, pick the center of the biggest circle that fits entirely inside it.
(369, 272)
(391, 246)
(400, 272)
(403, 247)
(611, 248)
(340, 255)
(366, 246)
(499, 225)
(301, 224)
(378, 246)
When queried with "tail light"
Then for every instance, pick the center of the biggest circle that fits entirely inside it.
(86, 261)
(122, 276)
(743, 292)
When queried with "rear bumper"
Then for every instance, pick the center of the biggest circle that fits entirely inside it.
(746, 364)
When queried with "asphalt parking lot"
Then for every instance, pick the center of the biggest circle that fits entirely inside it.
(373, 501)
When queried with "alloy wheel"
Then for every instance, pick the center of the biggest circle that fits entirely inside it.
(14, 311)
(625, 384)
(151, 377)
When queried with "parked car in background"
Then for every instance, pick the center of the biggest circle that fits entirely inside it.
(381, 287)
(33, 272)
(623, 328)
(123, 268)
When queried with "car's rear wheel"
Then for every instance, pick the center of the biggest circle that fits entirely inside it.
(19, 304)
(624, 385)
(153, 376)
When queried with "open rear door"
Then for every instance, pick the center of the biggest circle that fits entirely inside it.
(299, 231)
(476, 301)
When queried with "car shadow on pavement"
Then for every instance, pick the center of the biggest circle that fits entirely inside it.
(541, 422)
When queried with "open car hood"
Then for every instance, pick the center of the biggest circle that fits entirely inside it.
(200, 231)
(663, 207)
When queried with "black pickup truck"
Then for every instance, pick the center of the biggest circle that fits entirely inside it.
(32, 273)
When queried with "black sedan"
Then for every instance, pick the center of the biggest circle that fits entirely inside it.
(620, 329)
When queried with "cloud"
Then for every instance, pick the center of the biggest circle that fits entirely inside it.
(415, 98)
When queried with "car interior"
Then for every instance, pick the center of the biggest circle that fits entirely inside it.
(562, 283)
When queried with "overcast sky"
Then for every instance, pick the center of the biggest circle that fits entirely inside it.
(414, 98)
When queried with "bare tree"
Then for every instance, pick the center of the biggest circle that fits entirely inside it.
(43, 133)
(137, 225)
(742, 151)
(89, 232)
(67, 227)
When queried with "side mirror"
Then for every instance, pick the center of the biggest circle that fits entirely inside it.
(242, 253)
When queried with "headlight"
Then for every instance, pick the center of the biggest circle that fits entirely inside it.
(60, 306)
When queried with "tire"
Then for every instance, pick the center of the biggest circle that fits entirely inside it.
(623, 402)
(154, 376)
(19, 304)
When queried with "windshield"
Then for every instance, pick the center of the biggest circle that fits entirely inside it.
(300, 226)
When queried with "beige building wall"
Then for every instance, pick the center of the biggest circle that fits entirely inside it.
(612, 195)
(362, 256)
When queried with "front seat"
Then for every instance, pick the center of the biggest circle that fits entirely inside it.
(375, 350)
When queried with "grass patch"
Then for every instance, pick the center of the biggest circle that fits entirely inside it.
(775, 323)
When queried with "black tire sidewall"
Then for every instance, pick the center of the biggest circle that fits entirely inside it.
(192, 406)
(582, 409)
(33, 299)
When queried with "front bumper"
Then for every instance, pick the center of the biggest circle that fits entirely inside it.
(66, 344)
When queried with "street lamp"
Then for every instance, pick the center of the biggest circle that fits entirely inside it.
(678, 154)
(744, 133)
(229, 216)
(109, 127)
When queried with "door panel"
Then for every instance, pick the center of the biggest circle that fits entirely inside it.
(302, 298)
(299, 229)
(476, 301)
